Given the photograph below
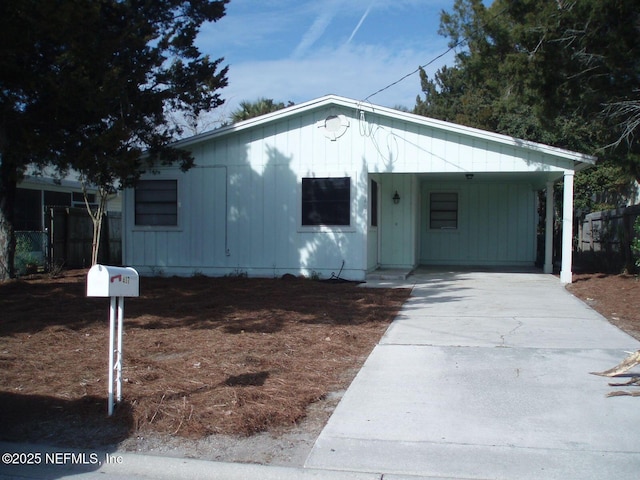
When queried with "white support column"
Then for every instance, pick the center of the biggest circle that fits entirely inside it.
(567, 228)
(548, 230)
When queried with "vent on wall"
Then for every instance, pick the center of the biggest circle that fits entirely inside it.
(334, 126)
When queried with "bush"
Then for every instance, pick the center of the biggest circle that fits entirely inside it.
(25, 260)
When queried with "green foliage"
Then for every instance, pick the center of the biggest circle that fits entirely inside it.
(25, 259)
(557, 72)
(89, 85)
(601, 187)
(262, 106)
(635, 243)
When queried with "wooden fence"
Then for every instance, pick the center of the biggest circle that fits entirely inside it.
(604, 240)
(71, 236)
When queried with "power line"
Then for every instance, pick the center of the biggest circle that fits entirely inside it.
(412, 73)
(455, 45)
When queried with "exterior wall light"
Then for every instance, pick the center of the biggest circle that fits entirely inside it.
(469, 176)
(396, 198)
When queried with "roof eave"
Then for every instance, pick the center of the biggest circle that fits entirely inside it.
(581, 161)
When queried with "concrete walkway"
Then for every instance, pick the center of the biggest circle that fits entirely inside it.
(486, 376)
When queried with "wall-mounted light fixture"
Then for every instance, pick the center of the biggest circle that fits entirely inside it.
(469, 176)
(396, 198)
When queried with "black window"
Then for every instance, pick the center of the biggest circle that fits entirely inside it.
(443, 211)
(78, 199)
(156, 203)
(326, 201)
(374, 203)
(28, 209)
(57, 199)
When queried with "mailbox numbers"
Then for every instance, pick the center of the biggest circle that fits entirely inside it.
(123, 279)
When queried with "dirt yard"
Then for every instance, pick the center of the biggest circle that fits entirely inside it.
(226, 360)
(616, 297)
(229, 369)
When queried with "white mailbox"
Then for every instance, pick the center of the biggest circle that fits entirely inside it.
(117, 283)
(107, 281)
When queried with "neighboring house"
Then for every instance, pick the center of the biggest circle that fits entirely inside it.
(36, 195)
(339, 186)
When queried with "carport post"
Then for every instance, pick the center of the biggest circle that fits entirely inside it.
(567, 228)
(548, 230)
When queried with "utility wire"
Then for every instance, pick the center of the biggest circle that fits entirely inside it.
(413, 73)
(455, 45)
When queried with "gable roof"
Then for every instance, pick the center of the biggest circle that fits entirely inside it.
(580, 160)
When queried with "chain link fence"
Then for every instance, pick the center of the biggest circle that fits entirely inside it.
(32, 252)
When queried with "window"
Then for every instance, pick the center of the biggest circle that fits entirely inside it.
(326, 201)
(374, 203)
(443, 211)
(156, 203)
(57, 199)
(28, 209)
(77, 199)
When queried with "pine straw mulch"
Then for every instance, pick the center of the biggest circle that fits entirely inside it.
(201, 355)
(616, 297)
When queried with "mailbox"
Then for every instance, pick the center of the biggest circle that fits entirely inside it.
(107, 281)
(117, 283)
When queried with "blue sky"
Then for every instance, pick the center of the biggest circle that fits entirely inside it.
(298, 50)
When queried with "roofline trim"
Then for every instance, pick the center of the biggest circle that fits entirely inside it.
(327, 100)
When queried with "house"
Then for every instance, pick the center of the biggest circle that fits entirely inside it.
(337, 186)
(43, 203)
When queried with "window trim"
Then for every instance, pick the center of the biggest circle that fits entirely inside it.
(177, 226)
(328, 228)
(430, 211)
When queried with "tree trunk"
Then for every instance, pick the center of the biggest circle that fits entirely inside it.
(8, 175)
(97, 218)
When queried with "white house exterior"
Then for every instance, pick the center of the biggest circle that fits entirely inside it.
(310, 190)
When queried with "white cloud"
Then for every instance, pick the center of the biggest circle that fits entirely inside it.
(313, 34)
(352, 71)
(293, 50)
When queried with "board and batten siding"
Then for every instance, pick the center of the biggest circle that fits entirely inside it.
(240, 209)
(240, 206)
(496, 225)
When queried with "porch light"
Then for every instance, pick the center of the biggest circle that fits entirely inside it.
(469, 176)
(396, 198)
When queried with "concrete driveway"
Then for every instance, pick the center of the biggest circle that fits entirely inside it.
(486, 376)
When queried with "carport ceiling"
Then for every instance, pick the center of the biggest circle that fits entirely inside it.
(537, 179)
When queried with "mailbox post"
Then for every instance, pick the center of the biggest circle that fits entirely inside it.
(116, 283)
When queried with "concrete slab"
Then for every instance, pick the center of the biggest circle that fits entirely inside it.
(487, 376)
(40, 462)
(382, 274)
(525, 332)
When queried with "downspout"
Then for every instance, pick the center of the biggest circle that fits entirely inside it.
(227, 252)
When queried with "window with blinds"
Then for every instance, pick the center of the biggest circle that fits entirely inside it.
(443, 211)
(156, 203)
